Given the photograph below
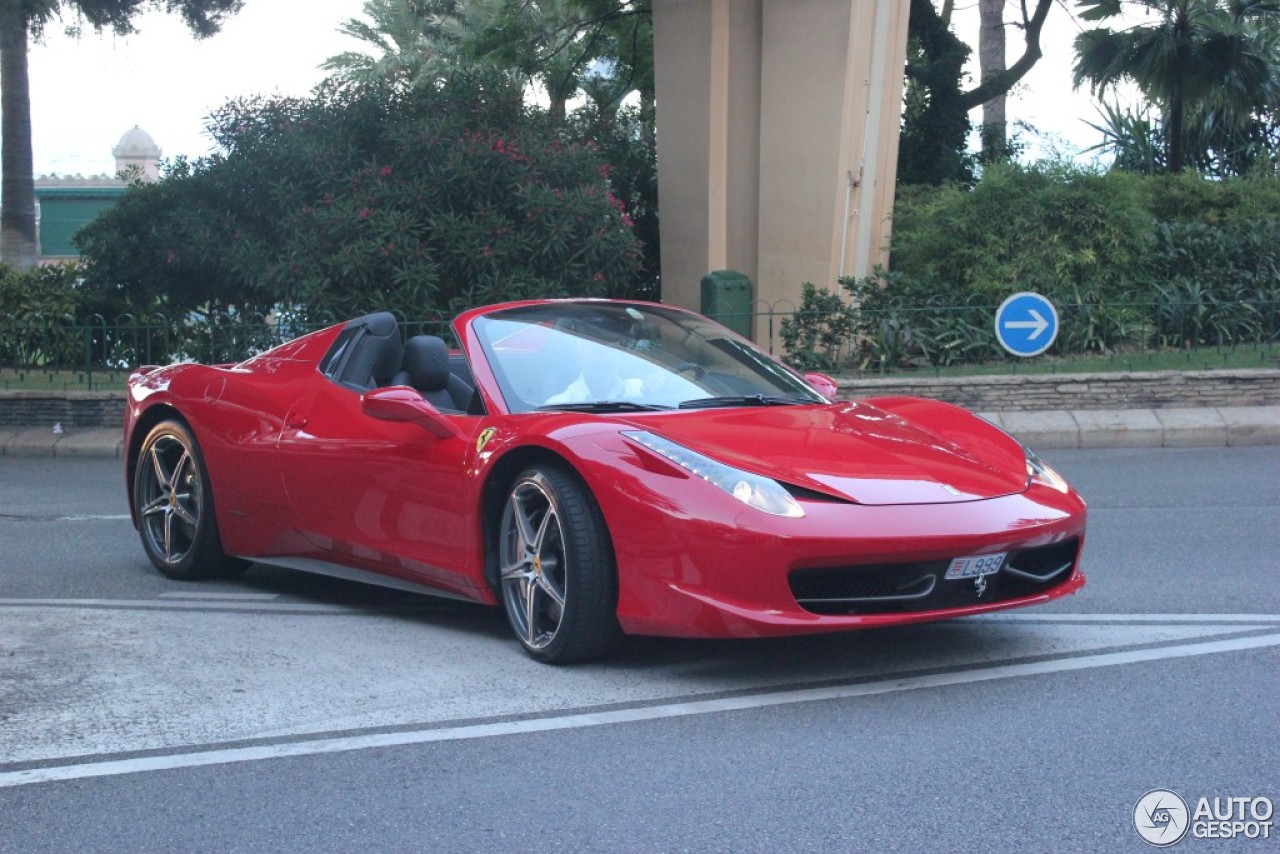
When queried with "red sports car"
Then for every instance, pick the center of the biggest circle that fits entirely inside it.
(596, 468)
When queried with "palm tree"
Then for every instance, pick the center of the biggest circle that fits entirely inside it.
(551, 42)
(1192, 58)
(410, 39)
(18, 20)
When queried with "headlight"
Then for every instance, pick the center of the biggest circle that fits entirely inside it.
(751, 489)
(1041, 472)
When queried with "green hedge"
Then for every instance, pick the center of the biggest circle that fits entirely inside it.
(1131, 262)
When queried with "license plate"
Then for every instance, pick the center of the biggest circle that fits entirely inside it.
(975, 566)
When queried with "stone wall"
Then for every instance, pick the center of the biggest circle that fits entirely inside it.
(68, 408)
(1039, 392)
(1024, 393)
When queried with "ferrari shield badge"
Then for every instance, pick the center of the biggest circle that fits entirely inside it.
(483, 439)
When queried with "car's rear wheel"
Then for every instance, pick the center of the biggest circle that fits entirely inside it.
(174, 507)
(556, 568)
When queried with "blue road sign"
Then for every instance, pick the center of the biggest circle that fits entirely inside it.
(1026, 324)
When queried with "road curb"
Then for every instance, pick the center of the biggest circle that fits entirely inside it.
(1144, 428)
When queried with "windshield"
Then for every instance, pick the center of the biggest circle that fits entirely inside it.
(623, 357)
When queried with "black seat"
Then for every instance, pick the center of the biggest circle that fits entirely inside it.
(426, 368)
(371, 353)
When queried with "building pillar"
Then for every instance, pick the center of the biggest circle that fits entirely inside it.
(777, 140)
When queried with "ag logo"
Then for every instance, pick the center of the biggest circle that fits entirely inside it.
(1161, 817)
(483, 439)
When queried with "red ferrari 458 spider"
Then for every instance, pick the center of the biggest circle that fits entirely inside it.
(595, 468)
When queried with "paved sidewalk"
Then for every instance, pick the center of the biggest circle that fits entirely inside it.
(1081, 428)
(1144, 428)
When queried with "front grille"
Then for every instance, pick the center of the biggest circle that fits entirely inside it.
(898, 588)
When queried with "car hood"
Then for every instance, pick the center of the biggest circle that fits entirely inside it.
(857, 451)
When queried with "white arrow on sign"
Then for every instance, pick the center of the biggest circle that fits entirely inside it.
(1039, 324)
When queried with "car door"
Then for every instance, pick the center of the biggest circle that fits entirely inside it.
(382, 495)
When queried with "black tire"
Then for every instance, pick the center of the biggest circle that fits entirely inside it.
(556, 570)
(174, 507)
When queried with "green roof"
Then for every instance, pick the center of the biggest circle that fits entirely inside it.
(65, 210)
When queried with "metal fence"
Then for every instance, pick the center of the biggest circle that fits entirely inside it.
(97, 351)
(885, 340)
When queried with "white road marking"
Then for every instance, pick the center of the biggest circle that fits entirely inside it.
(94, 517)
(71, 517)
(177, 760)
(216, 596)
(181, 604)
(1024, 617)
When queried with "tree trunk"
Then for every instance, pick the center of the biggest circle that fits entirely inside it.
(991, 61)
(1031, 53)
(1175, 132)
(18, 246)
(557, 110)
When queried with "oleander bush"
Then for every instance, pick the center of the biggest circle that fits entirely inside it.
(427, 201)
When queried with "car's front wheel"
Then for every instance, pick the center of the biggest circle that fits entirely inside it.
(174, 507)
(556, 568)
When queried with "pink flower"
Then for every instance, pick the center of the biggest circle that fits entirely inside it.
(364, 213)
(385, 171)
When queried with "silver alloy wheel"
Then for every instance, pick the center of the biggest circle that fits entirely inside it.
(169, 499)
(532, 562)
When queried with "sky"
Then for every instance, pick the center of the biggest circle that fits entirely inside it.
(86, 93)
(1044, 98)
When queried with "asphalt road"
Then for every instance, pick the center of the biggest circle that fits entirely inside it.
(289, 713)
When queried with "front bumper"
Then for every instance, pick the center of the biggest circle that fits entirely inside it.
(843, 566)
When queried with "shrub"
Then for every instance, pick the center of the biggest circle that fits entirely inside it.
(1130, 261)
(1052, 228)
(51, 292)
(48, 318)
(428, 200)
(816, 337)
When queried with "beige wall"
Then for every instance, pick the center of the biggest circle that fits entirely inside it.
(766, 110)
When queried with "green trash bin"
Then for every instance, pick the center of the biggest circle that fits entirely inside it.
(727, 298)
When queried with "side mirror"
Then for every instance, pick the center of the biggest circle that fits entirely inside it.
(401, 403)
(825, 385)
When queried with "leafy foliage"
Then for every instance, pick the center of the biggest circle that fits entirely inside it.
(49, 292)
(935, 120)
(43, 315)
(1053, 228)
(423, 199)
(1216, 283)
(604, 47)
(816, 337)
(627, 144)
(1131, 262)
(1213, 76)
